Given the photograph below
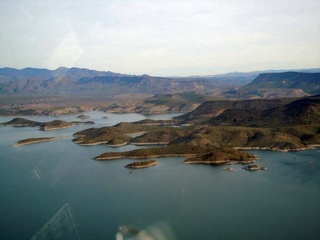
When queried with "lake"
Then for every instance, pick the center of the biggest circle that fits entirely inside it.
(58, 182)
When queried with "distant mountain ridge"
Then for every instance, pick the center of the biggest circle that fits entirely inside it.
(73, 73)
(81, 81)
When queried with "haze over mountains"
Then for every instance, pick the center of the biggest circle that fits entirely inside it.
(82, 82)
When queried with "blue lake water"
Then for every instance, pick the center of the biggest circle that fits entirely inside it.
(181, 201)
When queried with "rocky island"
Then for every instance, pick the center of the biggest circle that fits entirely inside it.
(82, 116)
(56, 125)
(254, 167)
(142, 164)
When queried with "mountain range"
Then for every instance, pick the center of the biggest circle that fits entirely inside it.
(78, 81)
(85, 82)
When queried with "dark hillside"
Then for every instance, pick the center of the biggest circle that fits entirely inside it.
(213, 109)
(299, 112)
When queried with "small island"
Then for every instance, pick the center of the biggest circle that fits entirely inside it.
(82, 116)
(254, 167)
(56, 125)
(142, 164)
(34, 140)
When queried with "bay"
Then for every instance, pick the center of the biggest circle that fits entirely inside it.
(178, 200)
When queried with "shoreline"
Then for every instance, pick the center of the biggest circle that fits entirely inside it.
(58, 113)
(91, 144)
(121, 144)
(222, 162)
(150, 143)
(144, 157)
(55, 128)
(117, 145)
(308, 147)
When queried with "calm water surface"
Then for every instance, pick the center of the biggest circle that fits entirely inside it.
(185, 201)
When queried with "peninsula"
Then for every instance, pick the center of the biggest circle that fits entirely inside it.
(34, 140)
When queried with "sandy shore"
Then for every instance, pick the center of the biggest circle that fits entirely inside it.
(221, 162)
(149, 143)
(117, 145)
(55, 128)
(91, 144)
(312, 146)
(120, 144)
(144, 157)
(142, 166)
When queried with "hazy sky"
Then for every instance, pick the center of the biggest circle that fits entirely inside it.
(161, 37)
